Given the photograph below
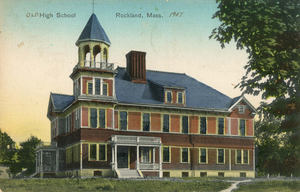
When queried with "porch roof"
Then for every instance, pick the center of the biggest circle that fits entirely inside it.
(135, 140)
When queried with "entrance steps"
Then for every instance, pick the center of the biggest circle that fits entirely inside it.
(128, 174)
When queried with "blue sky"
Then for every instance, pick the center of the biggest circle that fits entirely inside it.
(38, 54)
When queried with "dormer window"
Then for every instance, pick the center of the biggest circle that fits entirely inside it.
(169, 97)
(180, 98)
(241, 109)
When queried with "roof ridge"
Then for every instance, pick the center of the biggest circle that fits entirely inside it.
(157, 71)
(61, 94)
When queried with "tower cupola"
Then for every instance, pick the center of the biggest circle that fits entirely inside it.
(93, 46)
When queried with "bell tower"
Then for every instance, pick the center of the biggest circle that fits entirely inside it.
(93, 76)
(93, 46)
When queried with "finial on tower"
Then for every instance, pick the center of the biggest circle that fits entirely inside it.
(93, 5)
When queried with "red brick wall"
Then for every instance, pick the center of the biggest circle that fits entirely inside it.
(85, 79)
(175, 161)
(85, 116)
(211, 125)
(109, 118)
(95, 164)
(226, 126)
(150, 173)
(132, 157)
(212, 156)
(175, 123)
(234, 126)
(134, 121)
(155, 122)
(116, 120)
(194, 124)
(174, 96)
(110, 86)
(249, 125)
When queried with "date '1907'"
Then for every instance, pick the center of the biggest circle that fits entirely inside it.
(176, 14)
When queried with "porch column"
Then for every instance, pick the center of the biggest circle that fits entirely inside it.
(153, 155)
(116, 158)
(137, 157)
(113, 157)
(57, 160)
(160, 162)
(42, 165)
(36, 162)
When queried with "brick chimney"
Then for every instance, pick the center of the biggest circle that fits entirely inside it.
(136, 66)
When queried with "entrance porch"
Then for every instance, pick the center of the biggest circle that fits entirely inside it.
(131, 155)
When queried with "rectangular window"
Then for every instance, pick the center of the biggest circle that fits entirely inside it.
(242, 156)
(97, 152)
(102, 118)
(76, 153)
(238, 156)
(77, 118)
(146, 122)
(166, 124)
(169, 97)
(68, 123)
(105, 89)
(242, 127)
(203, 174)
(221, 158)
(184, 155)
(97, 86)
(146, 154)
(69, 155)
(123, 120)
(180, 98)
(89, 88)
(102, 152)
(245, 156)
(93, 152)
(221, 126)
(166, 154)
(185, 124)
(203, 156)
(203, 126)
(93, 117)
(241, 109)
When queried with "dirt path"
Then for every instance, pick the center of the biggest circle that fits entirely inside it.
(234, 185)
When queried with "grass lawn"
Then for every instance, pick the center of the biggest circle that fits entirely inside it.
(266, 186)
(95, 184)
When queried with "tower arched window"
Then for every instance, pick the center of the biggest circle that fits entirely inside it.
(97, 56)
(105, 56)
(87, 56)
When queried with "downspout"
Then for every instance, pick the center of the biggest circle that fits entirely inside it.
(80, 158)
(192, 168)
(113, 116)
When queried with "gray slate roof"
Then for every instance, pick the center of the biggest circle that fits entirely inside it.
(93, 31)
(61, 101)
(198, 95)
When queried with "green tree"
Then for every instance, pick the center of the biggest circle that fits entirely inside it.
(276, 152)
(269, 31)
(27, 154)
(7, 148)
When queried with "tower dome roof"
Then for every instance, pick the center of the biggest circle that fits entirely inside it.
(93, 32)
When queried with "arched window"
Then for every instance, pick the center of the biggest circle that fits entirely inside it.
(97, 56)
(87, 56)
(105, 55)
